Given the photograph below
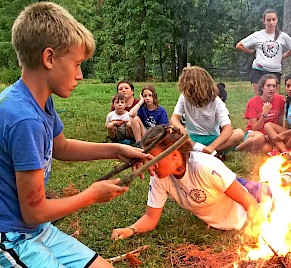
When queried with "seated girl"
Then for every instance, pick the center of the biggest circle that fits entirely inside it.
(148, 109)
(206, 116)
(278, 135)
(267, 106)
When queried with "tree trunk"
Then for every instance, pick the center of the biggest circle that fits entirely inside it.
(287, 29)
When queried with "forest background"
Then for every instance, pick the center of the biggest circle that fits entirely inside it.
(152, 40)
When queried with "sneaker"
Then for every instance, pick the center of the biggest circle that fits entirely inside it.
(273, 153)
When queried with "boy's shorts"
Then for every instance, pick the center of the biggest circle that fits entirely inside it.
(204, 139)
(255, 75)
(47, 247)
(122, 133)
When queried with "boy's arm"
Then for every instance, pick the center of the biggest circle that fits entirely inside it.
(75, 150)
(236, 192)
(36, 208)
(146, 223)
(256, 215)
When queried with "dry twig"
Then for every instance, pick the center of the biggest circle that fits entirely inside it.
(126, 255)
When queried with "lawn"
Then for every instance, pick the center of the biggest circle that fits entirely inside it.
(84, 116)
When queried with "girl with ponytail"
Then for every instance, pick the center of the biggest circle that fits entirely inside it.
(268, 46)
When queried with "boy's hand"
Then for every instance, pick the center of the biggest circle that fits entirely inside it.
(121, 233)
(119, 123)
(128, 153)
(106, 190)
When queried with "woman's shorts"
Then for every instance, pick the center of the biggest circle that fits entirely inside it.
(255, 75)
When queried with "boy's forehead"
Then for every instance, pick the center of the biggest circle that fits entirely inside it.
(119, 99)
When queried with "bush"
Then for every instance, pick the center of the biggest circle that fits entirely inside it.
(8, 76)
(8, 58)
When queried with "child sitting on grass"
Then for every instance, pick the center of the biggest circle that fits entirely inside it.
(118, 123)
(280, 136)
(199, 183)
(148, 109)
(206, 116)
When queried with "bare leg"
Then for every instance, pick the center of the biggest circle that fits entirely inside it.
(235, 138)
(138, 128)
(111, 130)
(272, 130)
(254, 143)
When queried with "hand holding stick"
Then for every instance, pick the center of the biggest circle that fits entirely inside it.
(133, 161)
(128, 179)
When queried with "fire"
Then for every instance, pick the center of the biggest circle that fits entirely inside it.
(273, 238)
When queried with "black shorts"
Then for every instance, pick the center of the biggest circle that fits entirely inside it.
(255, 75)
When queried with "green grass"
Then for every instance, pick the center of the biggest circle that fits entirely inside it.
(84, 116)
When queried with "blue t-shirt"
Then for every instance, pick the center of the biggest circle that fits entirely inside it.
(151, 118)
(26, 141)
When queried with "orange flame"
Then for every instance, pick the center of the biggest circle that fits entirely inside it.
(273, 238)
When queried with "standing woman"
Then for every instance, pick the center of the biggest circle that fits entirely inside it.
(267, 45)
(266, 107)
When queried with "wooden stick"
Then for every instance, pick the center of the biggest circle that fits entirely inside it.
(125, 166)
(275, 253)
(128, 179)
(123, 256)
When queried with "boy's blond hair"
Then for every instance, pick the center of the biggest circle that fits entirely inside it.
(198, 86)
(46, 24)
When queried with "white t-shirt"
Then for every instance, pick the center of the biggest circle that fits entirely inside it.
(205, 120)
(201, 191)
(268, 52)
(114, 116)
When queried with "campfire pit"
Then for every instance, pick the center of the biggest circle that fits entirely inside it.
(272, 248)
(188, 255)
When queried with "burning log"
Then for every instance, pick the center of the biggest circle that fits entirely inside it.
(280, 258)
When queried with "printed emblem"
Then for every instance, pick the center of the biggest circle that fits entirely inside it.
(206, 118)
(198, 196)
(270, 49)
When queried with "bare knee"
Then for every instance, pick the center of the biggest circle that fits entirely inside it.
(238, 135)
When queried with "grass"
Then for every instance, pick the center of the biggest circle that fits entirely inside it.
(84, 116)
